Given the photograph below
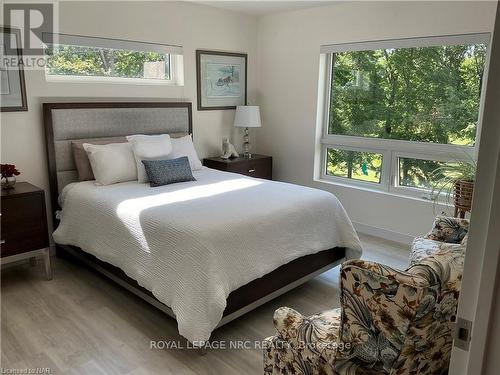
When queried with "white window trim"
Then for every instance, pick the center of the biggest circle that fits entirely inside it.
(390, 149)
(429, 41)
(110, 43)
(113, 80)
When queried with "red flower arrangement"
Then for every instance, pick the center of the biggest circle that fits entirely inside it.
(9, 170)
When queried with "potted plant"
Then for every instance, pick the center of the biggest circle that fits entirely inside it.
(9, 173)
(456, 181)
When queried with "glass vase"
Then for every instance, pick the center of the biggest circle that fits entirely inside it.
(8, 182)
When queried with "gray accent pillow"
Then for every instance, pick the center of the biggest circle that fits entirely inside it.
(165, 172)
(81, 158)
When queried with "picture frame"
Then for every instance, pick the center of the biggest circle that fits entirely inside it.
(12, 81)
(221, 79)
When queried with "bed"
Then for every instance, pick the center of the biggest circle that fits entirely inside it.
(204, 251)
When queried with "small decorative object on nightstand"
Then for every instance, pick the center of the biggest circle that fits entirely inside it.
(247, 116)
(8, 173)
(228, 150)
(24, 225)
(260, 166)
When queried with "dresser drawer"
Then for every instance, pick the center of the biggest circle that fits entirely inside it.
(23, 224)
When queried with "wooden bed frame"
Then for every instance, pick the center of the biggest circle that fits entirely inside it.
(240, 301)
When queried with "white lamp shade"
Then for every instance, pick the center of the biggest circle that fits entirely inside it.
(247, 116)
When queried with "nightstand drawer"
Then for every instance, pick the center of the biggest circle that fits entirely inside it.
(259, 166)
(253, 169)
(23, 224)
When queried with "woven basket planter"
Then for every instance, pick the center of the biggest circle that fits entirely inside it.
(462, 196)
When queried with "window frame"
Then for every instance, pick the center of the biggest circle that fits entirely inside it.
(344, 180)
(175, 54)
(391, 149)
(394, 186)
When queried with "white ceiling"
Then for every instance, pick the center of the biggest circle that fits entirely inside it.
(263, 7)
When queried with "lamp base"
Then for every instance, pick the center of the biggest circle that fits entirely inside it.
(246, 145)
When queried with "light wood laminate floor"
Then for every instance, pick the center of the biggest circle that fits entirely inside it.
(82, 323)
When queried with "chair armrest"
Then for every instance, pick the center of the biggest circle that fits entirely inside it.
(375, 271)
(443, 269)
(304, 345)
(287, 321)
(448, 229)
(423, 247)
(378, 306)
(318, 332)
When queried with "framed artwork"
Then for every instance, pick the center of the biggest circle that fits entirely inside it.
(12, 83)
(221, 79)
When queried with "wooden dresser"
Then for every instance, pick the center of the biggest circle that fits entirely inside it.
(260, 166)
(24, 231)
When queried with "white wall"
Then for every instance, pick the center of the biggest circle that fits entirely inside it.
(288, 50)
(192, 26)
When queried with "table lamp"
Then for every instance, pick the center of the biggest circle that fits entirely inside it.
(247, 116)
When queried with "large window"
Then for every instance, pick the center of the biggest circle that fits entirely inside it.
(78, 57)
(396, 110)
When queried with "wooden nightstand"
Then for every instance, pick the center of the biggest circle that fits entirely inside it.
(260, 166)
(24, 229)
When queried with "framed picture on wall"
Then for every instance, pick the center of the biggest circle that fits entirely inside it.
(12, 83)
(221, 79)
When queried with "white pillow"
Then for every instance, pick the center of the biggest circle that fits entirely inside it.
(149, 147)
(111, 163)
(184, 146)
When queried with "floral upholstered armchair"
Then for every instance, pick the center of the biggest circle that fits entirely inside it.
(390, 321)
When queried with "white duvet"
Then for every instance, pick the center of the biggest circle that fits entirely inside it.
(193, 243)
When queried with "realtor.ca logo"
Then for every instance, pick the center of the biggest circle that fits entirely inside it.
(28, 28)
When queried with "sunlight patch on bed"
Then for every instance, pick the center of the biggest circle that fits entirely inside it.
(129, 211)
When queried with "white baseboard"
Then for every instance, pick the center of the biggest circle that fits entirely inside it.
(401, 238)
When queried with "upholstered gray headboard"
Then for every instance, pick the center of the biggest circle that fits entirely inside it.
(66, 122)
